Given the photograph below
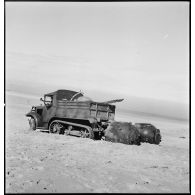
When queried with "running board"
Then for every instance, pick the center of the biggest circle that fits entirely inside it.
(42, 130)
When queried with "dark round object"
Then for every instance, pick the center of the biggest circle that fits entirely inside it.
(32, 124)
(122, 132)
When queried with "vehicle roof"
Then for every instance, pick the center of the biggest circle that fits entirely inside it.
(63, 93)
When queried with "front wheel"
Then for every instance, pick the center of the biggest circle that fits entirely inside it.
(32, 124)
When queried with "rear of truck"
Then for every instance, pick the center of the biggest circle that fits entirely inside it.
(82, 117)
(85, 110)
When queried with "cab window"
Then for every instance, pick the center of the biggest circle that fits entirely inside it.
(48, 100)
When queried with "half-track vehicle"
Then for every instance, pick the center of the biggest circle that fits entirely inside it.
(70, 112)
(148, 133)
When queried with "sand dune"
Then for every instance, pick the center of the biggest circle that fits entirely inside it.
(42, 162)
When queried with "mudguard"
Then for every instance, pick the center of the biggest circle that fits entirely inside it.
(36, 117)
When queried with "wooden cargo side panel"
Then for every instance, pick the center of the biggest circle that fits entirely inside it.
(102, 111)
(75, 110)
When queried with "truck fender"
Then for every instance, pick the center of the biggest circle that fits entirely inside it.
(35, 116)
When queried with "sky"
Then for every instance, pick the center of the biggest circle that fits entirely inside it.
(134, 49)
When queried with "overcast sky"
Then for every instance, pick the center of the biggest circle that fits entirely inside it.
(133, 48)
